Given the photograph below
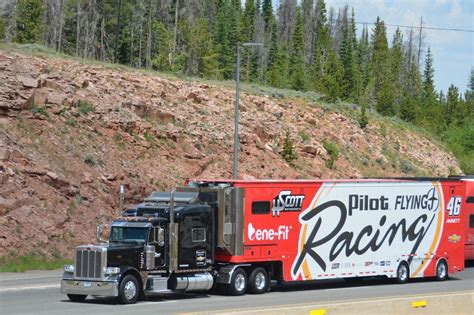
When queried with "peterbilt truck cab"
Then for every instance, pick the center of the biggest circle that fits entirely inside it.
(141, 255)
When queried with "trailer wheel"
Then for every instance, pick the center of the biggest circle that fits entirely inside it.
(238, 283)
(128, 290)
(441, 270)
(258, 281)
(403, 273)
(76, 297)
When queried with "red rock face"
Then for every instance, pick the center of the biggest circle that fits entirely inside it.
(71, 133)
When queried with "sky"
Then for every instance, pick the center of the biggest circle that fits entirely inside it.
(453, 52)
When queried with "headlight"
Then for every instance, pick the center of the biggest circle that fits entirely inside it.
(112, 270)
(69, 268)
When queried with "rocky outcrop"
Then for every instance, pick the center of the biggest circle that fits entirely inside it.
(71, 133)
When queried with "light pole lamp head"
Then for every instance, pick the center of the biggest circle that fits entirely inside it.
(252, 44)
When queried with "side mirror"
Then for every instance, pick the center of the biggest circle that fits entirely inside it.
(103, 233)
(158, 236)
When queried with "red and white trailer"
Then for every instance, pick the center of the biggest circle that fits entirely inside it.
(309, 230)
(469, 209)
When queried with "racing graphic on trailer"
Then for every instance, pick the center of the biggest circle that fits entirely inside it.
(371, 224)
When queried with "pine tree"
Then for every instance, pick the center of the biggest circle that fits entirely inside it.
(297, 72)
(162, 46)
(308, 21)
(380, 70)
(2, 29)
(429, 94)
(322, 48)
(277, 67)
(412, 91)
(226, 36)
(396, 69)
(29, 24)
(452, 106)
(267, 13)
(430, 115)
(347, 57)
(247, 35)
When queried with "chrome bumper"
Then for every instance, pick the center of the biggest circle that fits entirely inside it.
(71, 286)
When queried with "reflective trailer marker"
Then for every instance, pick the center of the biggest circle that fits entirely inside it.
(321, 311)
(420, 303)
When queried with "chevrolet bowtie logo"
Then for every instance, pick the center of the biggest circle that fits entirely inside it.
(454, 238)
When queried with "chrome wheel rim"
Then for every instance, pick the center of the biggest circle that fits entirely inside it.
(239, 282)
(441, 270)
(260, 281)
(402, 273)
(130, 290)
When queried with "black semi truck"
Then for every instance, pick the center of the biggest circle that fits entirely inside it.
(167, 243)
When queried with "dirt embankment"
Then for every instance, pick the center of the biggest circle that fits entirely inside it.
(71, 133)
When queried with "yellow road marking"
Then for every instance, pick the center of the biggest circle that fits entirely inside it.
(416, 304)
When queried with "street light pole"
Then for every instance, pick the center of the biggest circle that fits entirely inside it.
(236, 114)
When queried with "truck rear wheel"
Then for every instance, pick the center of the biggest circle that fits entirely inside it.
(238, 283)
(403, 273)
(76, 297)
(128, 290)
(258, 281)
(441, 270)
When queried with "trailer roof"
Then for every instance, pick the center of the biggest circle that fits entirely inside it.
(316, 181)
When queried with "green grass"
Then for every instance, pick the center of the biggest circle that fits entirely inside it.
(30, 262)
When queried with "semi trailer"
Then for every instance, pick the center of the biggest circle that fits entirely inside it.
(240, 235)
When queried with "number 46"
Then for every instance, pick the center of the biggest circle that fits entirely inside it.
(454, 206)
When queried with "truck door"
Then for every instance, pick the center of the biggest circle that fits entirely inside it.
(196, 237)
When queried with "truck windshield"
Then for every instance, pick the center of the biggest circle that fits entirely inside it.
(129, 234)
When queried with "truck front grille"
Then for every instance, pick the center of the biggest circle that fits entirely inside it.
(90, 262)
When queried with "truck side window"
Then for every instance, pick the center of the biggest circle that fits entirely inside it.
(471, 221)
(199, 235)
(470, 199)
(260, 207)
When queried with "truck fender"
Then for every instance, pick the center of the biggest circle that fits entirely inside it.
(224, 273)
(127, 270)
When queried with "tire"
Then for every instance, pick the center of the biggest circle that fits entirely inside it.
(441, 270)
(76, 297)
(403, 273)
(129, 290)
(258, 281)
(238, 283)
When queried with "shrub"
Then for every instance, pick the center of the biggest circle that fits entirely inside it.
(288, 152)
(333, 153)
(89, 159)
(84, 107)
(363, 119)
(40, 110)
(304, 136)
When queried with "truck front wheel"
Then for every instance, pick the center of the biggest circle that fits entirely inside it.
(258, 281)
(76, 297)
(128, 290)
(238, 283)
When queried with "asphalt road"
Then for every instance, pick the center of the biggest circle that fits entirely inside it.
(38, 293)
